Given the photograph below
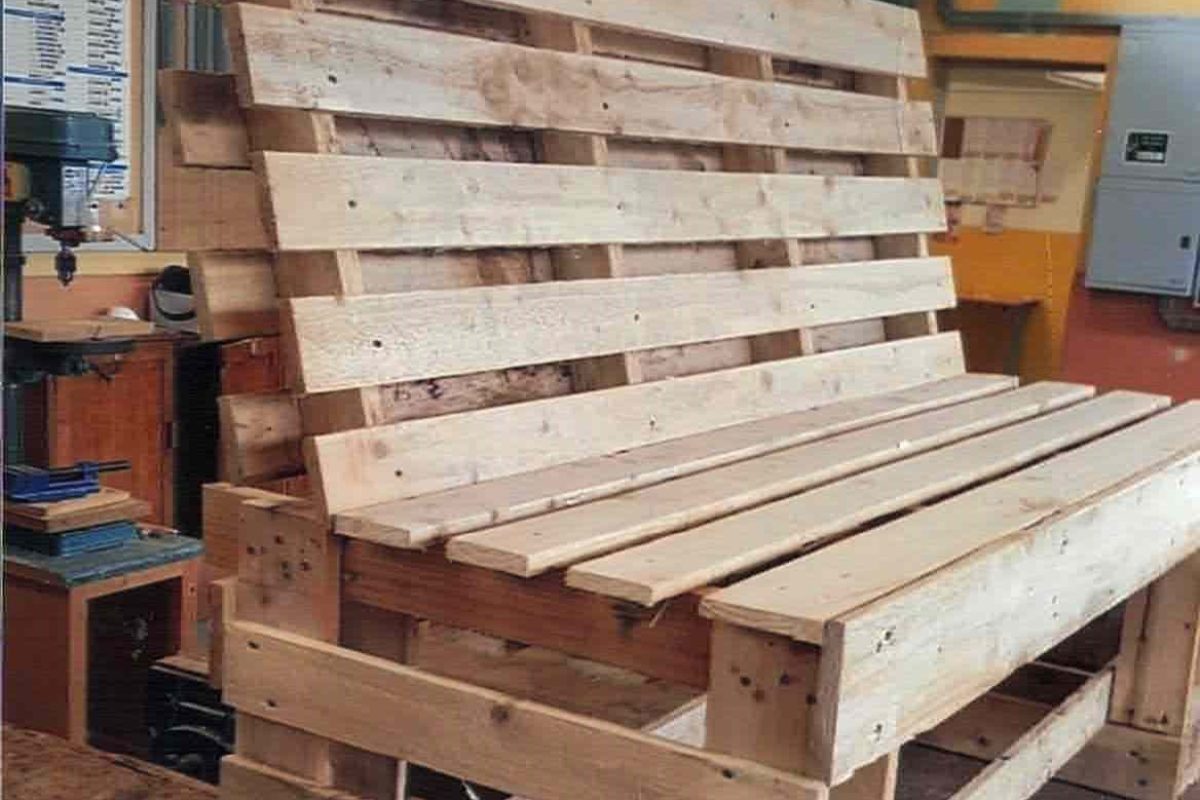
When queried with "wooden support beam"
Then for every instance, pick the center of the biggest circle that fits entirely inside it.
(1120, 761)
(1046, 747)
(387, 708)
(670, 642)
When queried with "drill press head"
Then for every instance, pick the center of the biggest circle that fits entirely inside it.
(47, 177)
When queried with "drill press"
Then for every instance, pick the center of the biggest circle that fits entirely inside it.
(47, 181)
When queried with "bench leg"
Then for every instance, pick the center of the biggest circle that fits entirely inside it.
(760, 694)
(1156, 677)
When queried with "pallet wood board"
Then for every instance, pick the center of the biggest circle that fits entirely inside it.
(565, 537)
(652, 572)
(864, 35)
(235, 295)
(422, 520)
(1046, 747)
(360, 341)
(802, 598)
(383, 707)
(366, 68)
(1054, 577)
(371, 466)
(325, 202)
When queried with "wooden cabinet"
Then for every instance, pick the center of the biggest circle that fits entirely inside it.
(123, 409)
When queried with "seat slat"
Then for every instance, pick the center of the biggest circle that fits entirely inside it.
(325, 202)
(666, 567)
(533, 546)
(362, 341)
(799, 598)
(420, 521)
(366, 68)
(865, 35)
(369, 466)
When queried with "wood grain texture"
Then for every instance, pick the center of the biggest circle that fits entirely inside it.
(855, 34)
(568, 536)
(235, 294)
(799, 599)
(260, 437)
(1046, 747)
(1054, 577)
(362, 67)
(322, 202)
(402, 712)
(360, 341)
(367, 467)
(201, 115)
(421, 520)
(663, 568)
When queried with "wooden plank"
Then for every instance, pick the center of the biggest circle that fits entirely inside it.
(66, 509)
(421, 520)
(201, 114)
(242, 778)
(855, 34)
(1119, 761)
(564, 537)
(77, 330)
(222, 513)
(203, 209)
(320, 202)
(366, 68)
(800, 598)
(1046, 747)
(663, 568)
(235, 294)
(398, 711)
(670, 643)
(361, 468)
(1156, 668)
(260, 437)
(222, 599)
(362, 341)
(910, 660)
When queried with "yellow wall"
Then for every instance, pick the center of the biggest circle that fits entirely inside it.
(1040, 249)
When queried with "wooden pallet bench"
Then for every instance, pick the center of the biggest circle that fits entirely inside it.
(612, 333)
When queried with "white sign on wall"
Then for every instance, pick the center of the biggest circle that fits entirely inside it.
(72, 55)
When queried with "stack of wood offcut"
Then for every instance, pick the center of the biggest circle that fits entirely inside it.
(79, 525)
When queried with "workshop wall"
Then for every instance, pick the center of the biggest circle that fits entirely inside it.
(1038, 250)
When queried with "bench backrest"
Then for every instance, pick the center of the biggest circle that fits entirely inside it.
(603, 225)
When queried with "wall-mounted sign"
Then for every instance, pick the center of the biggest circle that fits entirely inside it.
(1147, 147)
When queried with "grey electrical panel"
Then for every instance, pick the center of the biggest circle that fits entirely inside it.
(1146, 229)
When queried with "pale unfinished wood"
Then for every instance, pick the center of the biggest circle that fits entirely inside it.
(260, 437)
(663, 568)
(1045, 748)
(855, 34)
(349, 342)
(363, 67)
(361, 468)
(800, 598)
(235, 294)
(402, 712)
(222, 508)
(323, 202)
(202, 118)
(564, 537)
(77, 330)
(243, 778)
(1120, 761)
(419, 521)
(908, 661)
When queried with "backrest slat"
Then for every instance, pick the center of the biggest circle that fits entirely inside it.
(372, 69)
(356, 202)
(364, 341)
